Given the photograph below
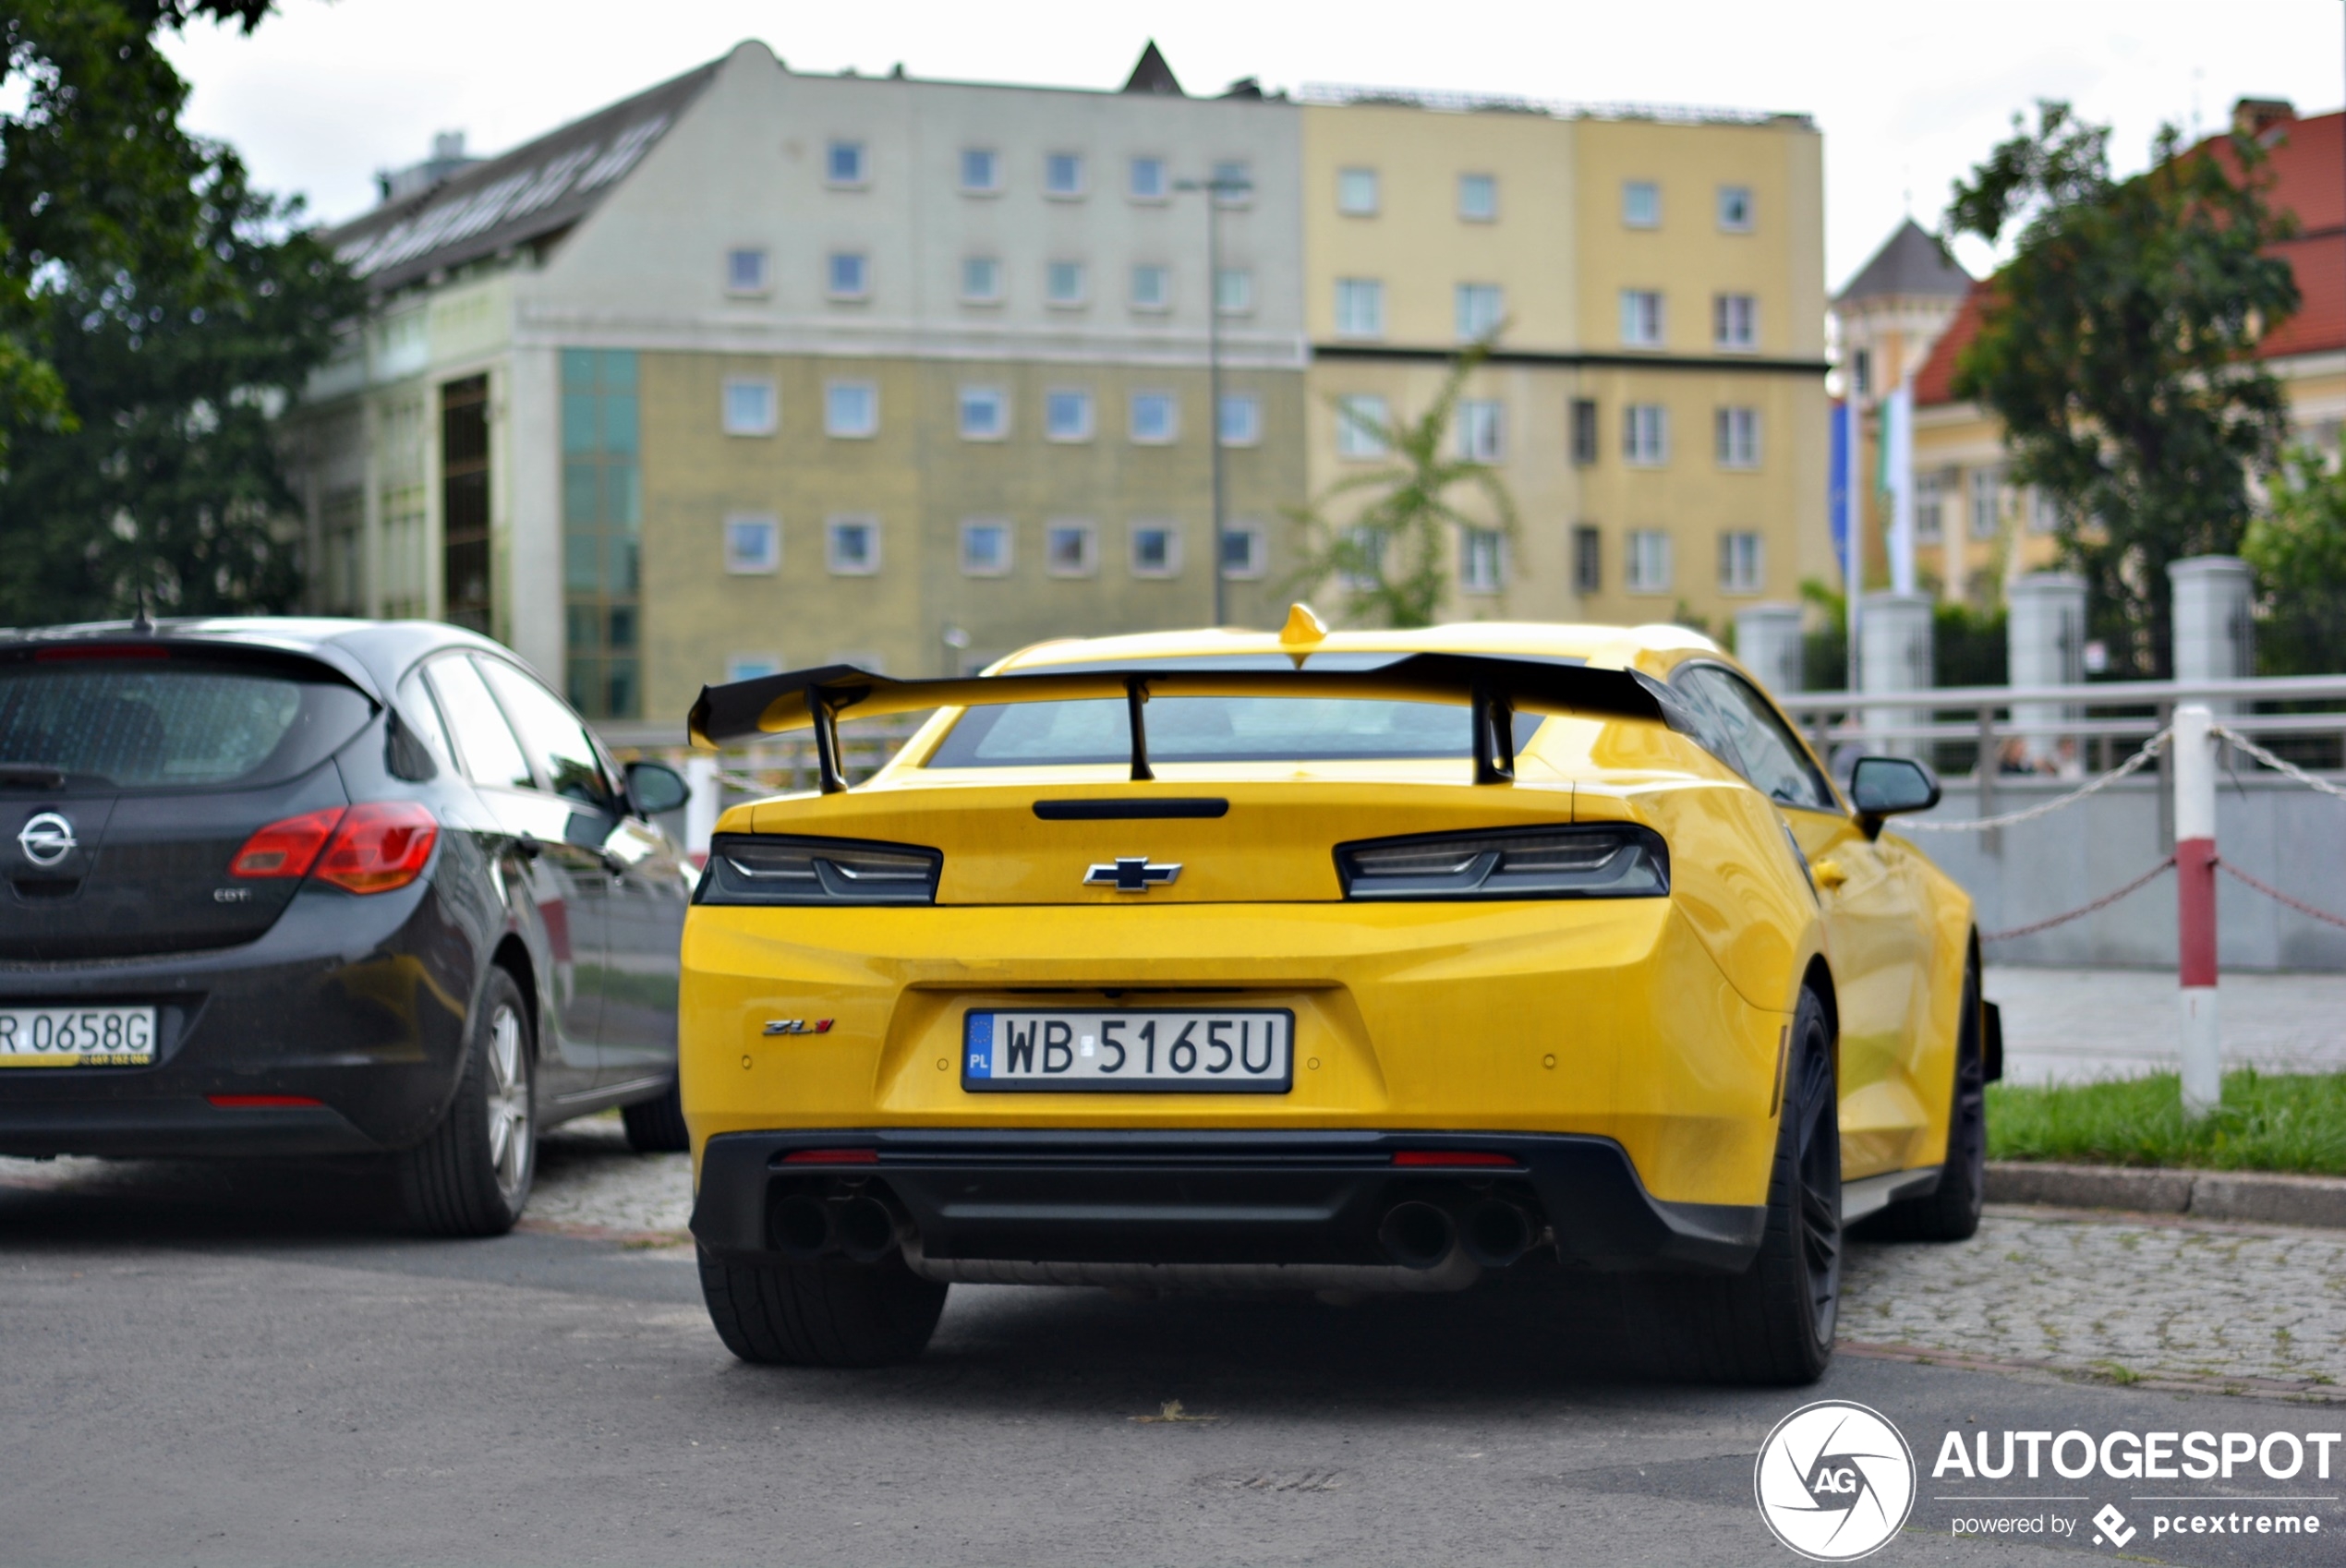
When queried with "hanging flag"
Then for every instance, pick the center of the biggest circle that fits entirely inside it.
(1837, 481)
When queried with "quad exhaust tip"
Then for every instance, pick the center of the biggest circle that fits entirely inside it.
(1498, 1233)
(1417, 1235)
(805, 1229)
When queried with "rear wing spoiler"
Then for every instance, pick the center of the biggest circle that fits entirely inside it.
(1495, 687)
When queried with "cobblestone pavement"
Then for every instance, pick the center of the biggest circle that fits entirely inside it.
(2075, 1025)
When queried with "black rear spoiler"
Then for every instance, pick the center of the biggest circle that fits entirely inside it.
(1496, 687)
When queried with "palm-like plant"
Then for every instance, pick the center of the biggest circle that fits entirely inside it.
(1393, 555)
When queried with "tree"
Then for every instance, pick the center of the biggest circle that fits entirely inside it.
(156, 313)
(2116, 347)
(2298, 549)
(1393, 555)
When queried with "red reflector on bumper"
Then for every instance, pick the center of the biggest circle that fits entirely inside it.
(1453, 1157)
(831, 1157)
(261, 1101)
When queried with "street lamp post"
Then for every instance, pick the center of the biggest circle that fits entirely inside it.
(1216, 188)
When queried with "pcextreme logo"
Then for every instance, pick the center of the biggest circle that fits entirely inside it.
(1835, 1481)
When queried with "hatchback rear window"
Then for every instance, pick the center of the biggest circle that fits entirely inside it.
(172, 722)
(1214, 729)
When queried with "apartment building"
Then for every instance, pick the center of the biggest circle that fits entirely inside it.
(1655, 403)
(760, 369)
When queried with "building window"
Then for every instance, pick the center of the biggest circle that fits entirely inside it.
(1734, 208)
(851, 410)
(1063, 284)
(1645, 435)
(1157, 549)
(1861, 372)
(1244, 555)
(1738, 437)
(1241, 423)
(1359, 308)
(1479, 199)
(981, 280)
(1987, 502)
(1481, 561)
(1584, 432)
(985, 547)
(1740, 569)
(1153, 419)
(753, 544)
(465, 559)
(1067, 415)
(981, 171)
(1649, 568)
(1930, 506)
(752, 665)
(849, 275)
(1363, 554)
(1734, 321)
(1356, 192)
(1587, 558)
(1642, 317)
(1063, 176)
(1480, 310)
(985, 413)
(1146, 180)
(844, 165)
(1152, 288)
(749, 405)
(1361, 422)
(602, 531)
(1480, 430)
(852, 546)
(1071, 549)
(745, 270)
(1233, 290)
(1235, 178)
(1640, 204)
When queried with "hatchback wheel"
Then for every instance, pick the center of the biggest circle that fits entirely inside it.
(471, 1175)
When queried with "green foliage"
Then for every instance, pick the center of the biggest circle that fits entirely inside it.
(1967, 646)
(1824, 652)
(2116, 350)
(156, 313)
(1391, 556)
(2298, 548)
(2268, 1122)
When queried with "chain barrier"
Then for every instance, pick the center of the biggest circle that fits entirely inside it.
(2135, 764)
(2277, 896)
(2137, 886)
(2278, 765)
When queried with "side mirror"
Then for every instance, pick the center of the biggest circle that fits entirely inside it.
(1881, 787)
(654, 788)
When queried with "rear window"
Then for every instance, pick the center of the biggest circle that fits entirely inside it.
(168, 723)
(1214, 729)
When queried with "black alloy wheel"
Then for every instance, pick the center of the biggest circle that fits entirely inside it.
(821, 1312)
(1950, 1210)
(657, 1126)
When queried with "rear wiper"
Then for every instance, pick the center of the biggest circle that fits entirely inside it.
(30, 775)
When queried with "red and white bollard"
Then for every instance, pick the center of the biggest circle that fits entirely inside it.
(2203, 1037)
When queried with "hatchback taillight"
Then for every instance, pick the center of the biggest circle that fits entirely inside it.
(372, 848)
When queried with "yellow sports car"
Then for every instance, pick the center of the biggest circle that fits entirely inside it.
(1338, 962)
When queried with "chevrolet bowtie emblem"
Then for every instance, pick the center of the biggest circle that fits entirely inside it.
(1131, 874)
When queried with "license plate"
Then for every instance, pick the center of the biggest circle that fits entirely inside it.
(77, 1037)
(1241, 1051)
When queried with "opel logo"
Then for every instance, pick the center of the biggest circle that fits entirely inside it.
(46, 839)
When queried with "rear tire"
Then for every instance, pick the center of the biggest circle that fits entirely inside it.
(1771, 1324)
(471, 1175)
(827, 1313)
(657, 1126)
(1950, 1210)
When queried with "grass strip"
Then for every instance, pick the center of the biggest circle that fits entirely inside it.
(2268, 1122)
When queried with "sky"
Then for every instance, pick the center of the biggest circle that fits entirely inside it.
(1908, 97)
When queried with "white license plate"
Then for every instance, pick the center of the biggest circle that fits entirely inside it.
(1243, 1051)
(77, 1037)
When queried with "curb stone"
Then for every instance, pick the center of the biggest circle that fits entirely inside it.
(2208, 1195)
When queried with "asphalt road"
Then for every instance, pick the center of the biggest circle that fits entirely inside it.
(253, 1371)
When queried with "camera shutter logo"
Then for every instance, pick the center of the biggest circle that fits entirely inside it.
(1835, 1481)
(46, 839)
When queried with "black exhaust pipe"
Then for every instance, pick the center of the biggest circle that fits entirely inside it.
(1497, 1233)
(801, 1227)
(1417, 1236)
(866, 1228)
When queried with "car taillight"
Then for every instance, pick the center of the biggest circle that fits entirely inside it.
(286, 848)
(380, 846)
(1612, 861)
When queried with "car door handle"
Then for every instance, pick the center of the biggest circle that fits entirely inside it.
(1828, 874)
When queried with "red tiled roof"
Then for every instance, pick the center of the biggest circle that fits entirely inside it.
(2308, 165)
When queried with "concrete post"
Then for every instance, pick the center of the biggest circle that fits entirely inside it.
(2045, 646)
(1897, 657)
(2195, 751)
(701, 806)
(2213, 635)
(1768, 641)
